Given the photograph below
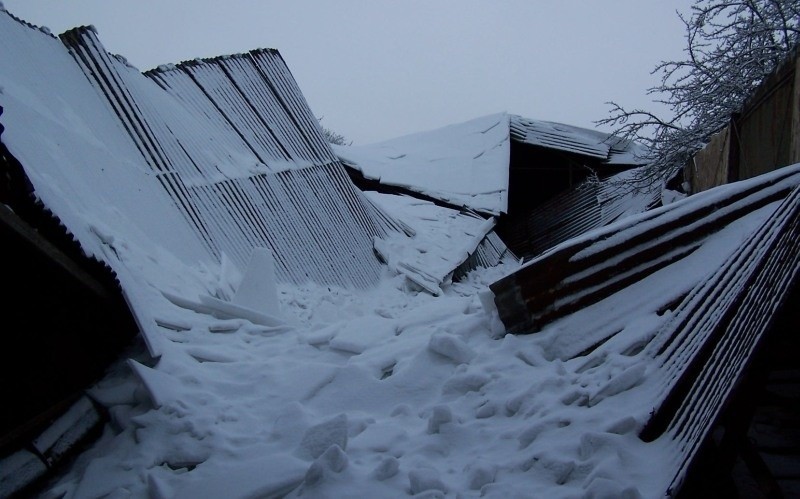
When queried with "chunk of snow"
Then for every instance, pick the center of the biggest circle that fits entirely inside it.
(319, 438)
(258, 290)
(388, 468)
(425, 479)
(441, 415)
(451, 346)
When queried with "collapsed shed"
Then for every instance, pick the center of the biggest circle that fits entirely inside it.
(196, 167)
(542, 181)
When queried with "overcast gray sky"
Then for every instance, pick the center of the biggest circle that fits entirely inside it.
(377, 69)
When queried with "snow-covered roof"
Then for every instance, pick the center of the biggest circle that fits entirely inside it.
(464, 164)
(382, 392)
(583, 141)
(467, 164)
(225, 152)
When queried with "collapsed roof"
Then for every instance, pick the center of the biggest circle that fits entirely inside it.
(225, 150)
(679, 298)
(467, 164)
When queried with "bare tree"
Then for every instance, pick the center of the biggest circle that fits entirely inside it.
(333, 137)
(732, 45)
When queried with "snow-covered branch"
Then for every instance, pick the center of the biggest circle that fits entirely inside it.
(732, 45)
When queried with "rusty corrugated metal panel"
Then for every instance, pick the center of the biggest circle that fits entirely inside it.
(587, 269)
(234, 144)
(693, 360)
(704, 351)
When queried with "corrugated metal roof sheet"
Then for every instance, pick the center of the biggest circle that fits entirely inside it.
(693, 341)
(588, 206)
(576, 140)
(469, 241)
(467, 164)
(588, 268)
(234, 144)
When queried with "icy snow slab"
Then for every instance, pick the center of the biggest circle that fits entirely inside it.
(270, 476)
(221, 309)
(257, 290)
(464, 164)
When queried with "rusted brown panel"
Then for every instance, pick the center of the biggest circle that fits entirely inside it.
(709, 167)
(567, 279)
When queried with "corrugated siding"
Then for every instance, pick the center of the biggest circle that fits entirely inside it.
(490, 252)
(557, 136)
(588, 269)
(574, 212)
(703, 352)
(234, 144)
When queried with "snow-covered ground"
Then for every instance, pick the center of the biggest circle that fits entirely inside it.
(383, 393)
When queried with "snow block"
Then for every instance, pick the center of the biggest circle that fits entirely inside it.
(441, 415)
(452, 347)
(270, 477)
(321, 437)
(257, 290)
(386, 469)
(425, 479)
(161, 387)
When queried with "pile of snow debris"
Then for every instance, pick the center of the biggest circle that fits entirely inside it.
(378, 393)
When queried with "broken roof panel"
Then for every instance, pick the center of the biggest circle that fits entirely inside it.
(576, 140)
(680, 296)
(240, 158)
(595, 265)
(443, 240)
(464, 164)
(585, 207)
